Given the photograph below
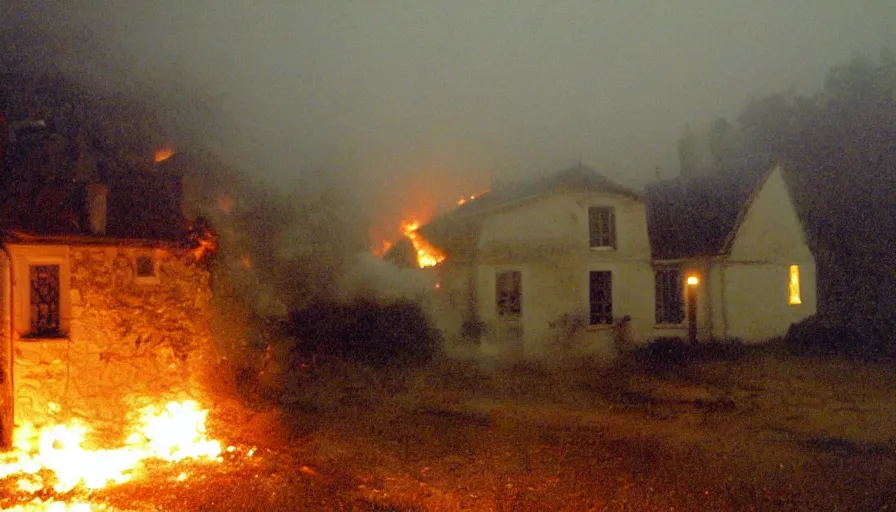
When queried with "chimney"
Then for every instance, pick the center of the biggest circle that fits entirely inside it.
(97, 195)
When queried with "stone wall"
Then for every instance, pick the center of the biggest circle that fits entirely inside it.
(131, 342)
(6, 395)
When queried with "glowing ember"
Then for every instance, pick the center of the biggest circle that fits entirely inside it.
(463, 200)
(54, 458)
(162, 154)
(427, 255)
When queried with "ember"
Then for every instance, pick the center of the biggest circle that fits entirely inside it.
(162, 154)
(53, 458)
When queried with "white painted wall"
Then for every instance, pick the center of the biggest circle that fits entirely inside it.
(755, 275)
(546, 239)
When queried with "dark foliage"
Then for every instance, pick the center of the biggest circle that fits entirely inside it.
(365, 331)
(840, 146)
(667, 354)
(866, 338)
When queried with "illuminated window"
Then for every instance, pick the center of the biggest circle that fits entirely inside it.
(794, 286)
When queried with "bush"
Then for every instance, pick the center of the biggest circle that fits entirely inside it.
(865, 338)
(365, 331)
(665, 354)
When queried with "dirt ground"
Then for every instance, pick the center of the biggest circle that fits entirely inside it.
(764, 431)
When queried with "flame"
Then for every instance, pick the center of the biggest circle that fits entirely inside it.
(54, 457)
(463, 200)
(381, 249)
(427, 255)
(162, 154)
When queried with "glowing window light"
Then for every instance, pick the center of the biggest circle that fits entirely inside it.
(794, 286)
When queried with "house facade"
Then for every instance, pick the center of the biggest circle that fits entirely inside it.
(576, 264)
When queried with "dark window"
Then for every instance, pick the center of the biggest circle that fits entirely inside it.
(45, 304)
(601, 297)
(669, 296)
(509, 293)
(145, 266)
(602, 227)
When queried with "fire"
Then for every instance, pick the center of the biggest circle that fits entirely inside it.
(162, 154)
(427, 255)
(55, 458)
(463, 200)
(381, 249)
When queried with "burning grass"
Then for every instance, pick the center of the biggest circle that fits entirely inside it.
(56, 467)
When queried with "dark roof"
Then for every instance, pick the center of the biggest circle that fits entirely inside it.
(695, 217)
(579, 178)
(457, 232)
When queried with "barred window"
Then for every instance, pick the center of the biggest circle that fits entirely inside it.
(45, 300)
(601, 297)
(669, 296)
(602, 227)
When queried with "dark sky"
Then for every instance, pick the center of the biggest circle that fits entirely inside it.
(457, 93)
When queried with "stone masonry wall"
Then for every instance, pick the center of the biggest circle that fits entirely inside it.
(130, 344)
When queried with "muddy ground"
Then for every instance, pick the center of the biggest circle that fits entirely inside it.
(760, 431)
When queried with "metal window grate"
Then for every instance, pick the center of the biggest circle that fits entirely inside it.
(45, 303)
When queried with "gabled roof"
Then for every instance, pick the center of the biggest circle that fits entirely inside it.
(457, 232)
(577, 178)
(697, 217)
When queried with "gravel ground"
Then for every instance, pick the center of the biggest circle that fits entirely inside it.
(486, 450)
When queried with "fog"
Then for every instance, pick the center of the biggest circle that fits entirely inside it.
(418, 103)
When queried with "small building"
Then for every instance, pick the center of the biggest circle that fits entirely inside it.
(574, 263)
(94, 323)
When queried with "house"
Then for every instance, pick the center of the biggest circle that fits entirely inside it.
(576, 263)
(103, 308)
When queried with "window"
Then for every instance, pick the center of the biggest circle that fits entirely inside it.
(794, 286)
(601, 297)
(45, 303)
(146, 269)
(602, 227)
(669, 296)
(509, 293)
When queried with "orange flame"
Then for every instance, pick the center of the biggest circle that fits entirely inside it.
(53, 458)
(463, 200)
(162, 154)
(427, 255)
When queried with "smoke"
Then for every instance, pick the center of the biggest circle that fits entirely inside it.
(368, 276)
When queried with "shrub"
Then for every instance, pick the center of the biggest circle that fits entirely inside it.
(865, 338)
(365, 331)
(670, 353)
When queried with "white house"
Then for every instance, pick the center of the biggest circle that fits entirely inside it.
(577, 263)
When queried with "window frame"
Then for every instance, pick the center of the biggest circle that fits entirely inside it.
(604, 320)
(517, 284)
(155, 263)
(606, 228)
(23, 257)
(659, 297)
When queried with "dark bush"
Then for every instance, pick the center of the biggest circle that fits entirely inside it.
(365, 331)
(662, 354)
(665, 354)
(866, 338)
